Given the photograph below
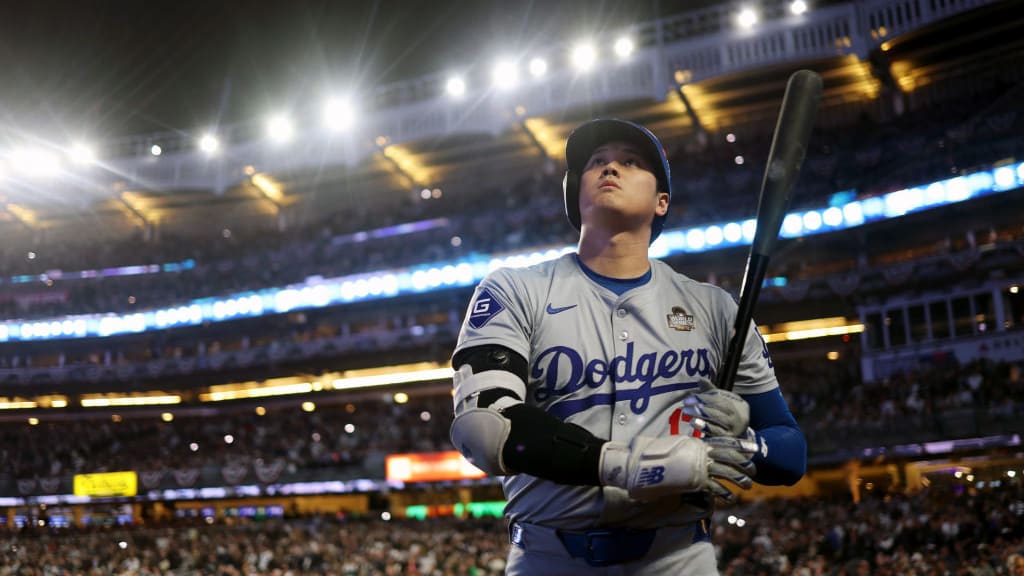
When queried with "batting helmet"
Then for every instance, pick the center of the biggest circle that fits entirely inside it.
(587, 137)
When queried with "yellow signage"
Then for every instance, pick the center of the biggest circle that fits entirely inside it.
(107, 484)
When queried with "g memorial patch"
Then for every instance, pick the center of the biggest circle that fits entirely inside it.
(483, 309)
(680, 320)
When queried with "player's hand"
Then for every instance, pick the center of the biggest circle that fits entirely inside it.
(650, 468)
(731, 461)
(717, 413)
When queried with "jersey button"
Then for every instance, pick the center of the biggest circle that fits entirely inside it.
(622, 419)
(623, 335)
(621, 312)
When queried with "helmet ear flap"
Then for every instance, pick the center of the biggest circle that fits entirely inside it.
(571, 190)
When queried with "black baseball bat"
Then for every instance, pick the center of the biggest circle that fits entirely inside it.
(789, 146)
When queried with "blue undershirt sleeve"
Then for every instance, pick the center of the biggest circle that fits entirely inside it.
(785, 460)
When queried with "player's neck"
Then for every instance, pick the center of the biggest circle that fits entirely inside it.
(621, 255)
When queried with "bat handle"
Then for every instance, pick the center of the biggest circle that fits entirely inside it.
(757, 267)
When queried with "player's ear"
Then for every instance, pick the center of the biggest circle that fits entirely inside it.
(662, 204)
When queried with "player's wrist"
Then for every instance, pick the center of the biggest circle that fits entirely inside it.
(614, 464)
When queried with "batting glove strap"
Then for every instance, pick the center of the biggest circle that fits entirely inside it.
(654, 467)
(717, 413)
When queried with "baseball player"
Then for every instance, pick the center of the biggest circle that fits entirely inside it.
(587, 382)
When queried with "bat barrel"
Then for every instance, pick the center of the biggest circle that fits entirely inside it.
(789, 146)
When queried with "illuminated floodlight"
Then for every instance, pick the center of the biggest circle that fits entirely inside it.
(280, 129)
(935, 193)
(455, 86)
(208, 143)
(812, 220)
(156, 150)
(713, 235)
(1005, 178)
(339, 114)
(624, 47)
(35, 162)
(979, 182)
(82, 154)
(695, 239)
(732, 232)
(797, 7)
(833, 216)
(584, 56)
(749, 228)
(873, 207)
(506, 75)
(853, 214)
(747, 18)
(792, 225)
(538, 67)
(902, 201)
(1020, 171)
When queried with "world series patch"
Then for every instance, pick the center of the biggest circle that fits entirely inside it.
(484, 308)
(680, 320)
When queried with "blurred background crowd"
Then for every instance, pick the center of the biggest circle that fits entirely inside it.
(956, 530)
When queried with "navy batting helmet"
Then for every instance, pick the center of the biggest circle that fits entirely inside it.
(589, 136)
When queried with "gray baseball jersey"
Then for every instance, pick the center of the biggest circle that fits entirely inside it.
(618, 366)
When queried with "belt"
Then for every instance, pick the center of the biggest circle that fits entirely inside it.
(602, 547)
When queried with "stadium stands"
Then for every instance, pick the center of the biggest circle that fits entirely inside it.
(925, 410)
(947, 530)
(868, 156)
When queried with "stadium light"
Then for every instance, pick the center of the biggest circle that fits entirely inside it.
(798, 7)
(156, 150)
(538, 67)
(280, 129)
(624, 47)
(35, 162)
(339, 114)
(456, 87)
(747, 18)
(584, 56)
(82, 155)
(505, 75)
(208, 143)
(732, 232)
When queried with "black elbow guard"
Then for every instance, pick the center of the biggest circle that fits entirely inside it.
(541, 445)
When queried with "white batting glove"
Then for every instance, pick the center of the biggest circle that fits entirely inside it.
(650, 468)
(717, 413)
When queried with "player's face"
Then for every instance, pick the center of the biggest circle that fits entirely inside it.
(618, 188)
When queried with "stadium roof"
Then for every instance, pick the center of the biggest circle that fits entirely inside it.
(985, 41)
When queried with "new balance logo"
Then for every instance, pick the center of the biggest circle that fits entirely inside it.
(651, 476)
(552, 310)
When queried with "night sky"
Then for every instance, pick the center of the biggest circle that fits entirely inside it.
(98, 70)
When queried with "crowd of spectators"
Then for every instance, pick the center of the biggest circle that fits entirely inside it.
(350, 438)
(292, 547)
(837, 409)
(833, 407)
(933, 142)
(953, 530)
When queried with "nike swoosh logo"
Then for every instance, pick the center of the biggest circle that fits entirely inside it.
(552, 310)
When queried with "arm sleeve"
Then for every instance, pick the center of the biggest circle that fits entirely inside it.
(541, 445)
(783, 456)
